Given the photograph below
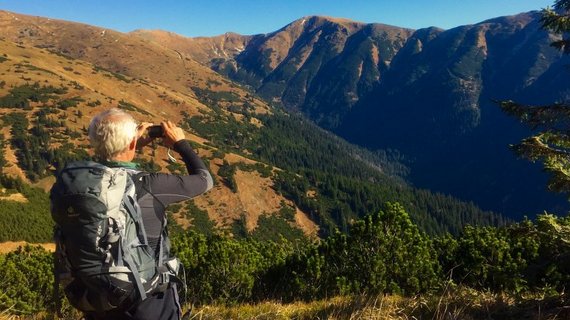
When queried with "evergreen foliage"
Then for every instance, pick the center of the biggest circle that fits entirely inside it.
(148, 165)
(558, 21)
(27, 280)
(382, 253)
(3, 161)
(21, 96)
(131, 107)
(201, 223)
(326, 177)
(69, 103)
(25, 221)
(33, 145)
(519, 258)
(277, 227)
(333, 200)
(220, 269)
(552, 144)
(227, 172)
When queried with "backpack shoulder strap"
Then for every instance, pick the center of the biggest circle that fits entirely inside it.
(167, 267)
(133, 209)
(130, 204)
(143, 187)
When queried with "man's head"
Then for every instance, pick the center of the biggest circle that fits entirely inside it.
(112, 133)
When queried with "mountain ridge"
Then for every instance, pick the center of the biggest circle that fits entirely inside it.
(419, 91)
(242, 138)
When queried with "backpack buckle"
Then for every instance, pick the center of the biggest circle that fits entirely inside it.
(165, 277)
(173, 265)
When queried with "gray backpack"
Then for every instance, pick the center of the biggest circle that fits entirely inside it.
(102, 255)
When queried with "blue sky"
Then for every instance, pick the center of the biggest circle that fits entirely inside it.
(213, 17)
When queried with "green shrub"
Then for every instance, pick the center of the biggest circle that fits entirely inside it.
(227, 173)
(518, 258)
(21, 96)
(383, 253)
(26, 280)
(221, 269)
(201, 223)
(25, 221)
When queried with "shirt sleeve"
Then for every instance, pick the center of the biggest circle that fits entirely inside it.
(170, 188)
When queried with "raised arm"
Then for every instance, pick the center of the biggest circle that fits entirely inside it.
(169, 188)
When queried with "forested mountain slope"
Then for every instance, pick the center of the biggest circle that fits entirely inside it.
(275, 171)
(428, 93)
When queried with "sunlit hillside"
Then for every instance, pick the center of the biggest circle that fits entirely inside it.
(255, 150)
(69, 91)
(300, 223)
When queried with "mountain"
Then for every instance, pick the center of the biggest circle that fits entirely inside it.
(320, 65)
(428, 93)
(274, 171)
(437, 106)
(201, 49)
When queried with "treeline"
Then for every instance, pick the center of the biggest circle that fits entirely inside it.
(383, 253)
(20, 97)
(334, 200)
(330, 179)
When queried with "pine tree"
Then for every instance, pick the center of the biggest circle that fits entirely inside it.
(552, 144)
(558, 21)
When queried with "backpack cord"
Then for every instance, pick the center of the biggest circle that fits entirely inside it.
(170, 157)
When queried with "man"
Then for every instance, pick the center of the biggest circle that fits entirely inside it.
(115, 136)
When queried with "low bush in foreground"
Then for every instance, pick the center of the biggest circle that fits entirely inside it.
(385, 253)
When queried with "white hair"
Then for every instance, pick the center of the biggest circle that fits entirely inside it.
(111, 132)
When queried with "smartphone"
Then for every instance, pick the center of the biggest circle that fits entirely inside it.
(155, 131)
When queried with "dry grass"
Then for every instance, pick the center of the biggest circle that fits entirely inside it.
(10, 246)
(458, 304)
(17, 197)
(154, 96)
(455, 304)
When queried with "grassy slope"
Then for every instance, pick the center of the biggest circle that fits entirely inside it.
(460, 303)
(455, 304)
(26, 64)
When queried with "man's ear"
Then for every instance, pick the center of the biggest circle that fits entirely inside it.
(133, 144)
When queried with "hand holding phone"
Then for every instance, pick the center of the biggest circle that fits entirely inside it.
(155, 131)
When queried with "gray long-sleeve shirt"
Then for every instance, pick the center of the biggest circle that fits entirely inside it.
(155, 191)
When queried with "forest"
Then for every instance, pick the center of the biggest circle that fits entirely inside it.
(347, 184)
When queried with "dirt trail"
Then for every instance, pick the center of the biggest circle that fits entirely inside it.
(10, 246)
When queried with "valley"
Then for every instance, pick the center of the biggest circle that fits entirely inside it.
(428, 93)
